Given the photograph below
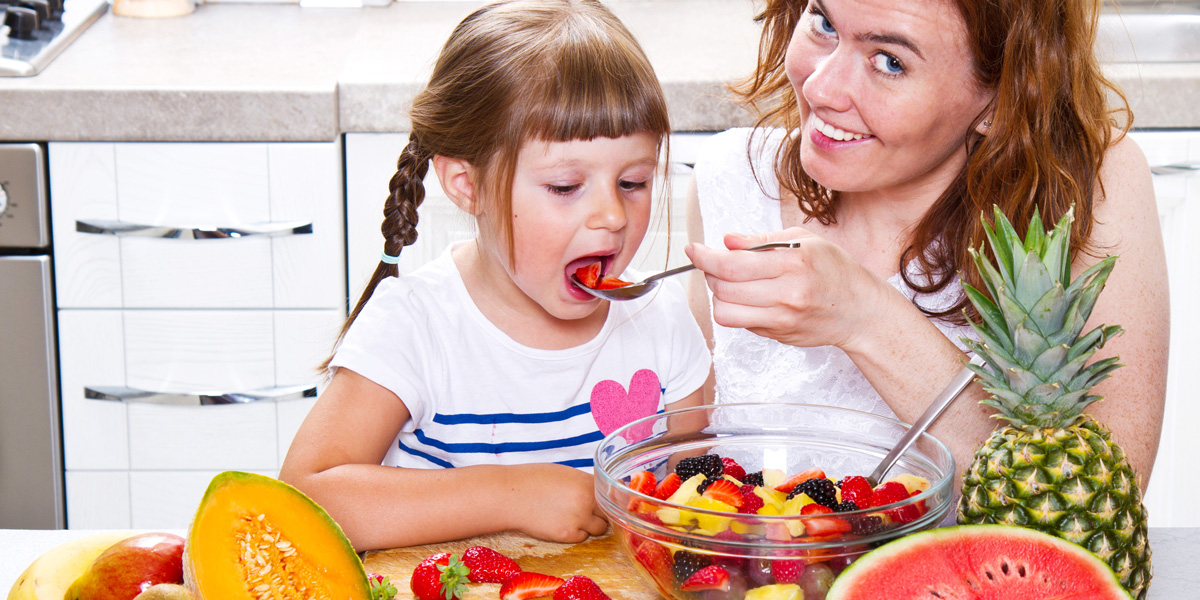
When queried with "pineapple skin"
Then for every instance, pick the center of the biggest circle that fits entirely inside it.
(1072, 482)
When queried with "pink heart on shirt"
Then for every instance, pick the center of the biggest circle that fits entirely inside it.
(613, 407)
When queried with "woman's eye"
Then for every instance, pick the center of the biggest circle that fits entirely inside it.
(630, 186)
(888, 64)
(562, 190)
(823, 25)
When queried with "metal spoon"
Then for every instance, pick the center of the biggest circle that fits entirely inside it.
(641, 288)
(935, 410)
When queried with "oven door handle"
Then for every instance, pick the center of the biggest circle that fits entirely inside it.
(128, 394)
(124, 228)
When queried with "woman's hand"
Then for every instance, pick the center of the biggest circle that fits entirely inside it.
(814, 295)
(554, 503)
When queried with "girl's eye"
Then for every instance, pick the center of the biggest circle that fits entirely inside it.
(630, 186)
(888, 64)
(562, 190)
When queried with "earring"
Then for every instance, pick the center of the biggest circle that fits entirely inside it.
(987, 124)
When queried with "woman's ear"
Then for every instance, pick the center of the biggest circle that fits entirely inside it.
(985, 126)
(458, 181)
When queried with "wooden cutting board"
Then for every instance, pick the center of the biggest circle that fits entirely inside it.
(599, 558)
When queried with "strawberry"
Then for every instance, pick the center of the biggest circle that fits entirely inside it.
(724, 490)
(656, 559)
(381, 587)
(712, 577)
(608, 282)
(786, 571)
(525, 585)
(799, 478)
(578, 587)
(589, 275)
(439, 577)
(643, 482)
(733, 469)
(667, 486)
(826, 526)
(815, 509)
(857, 490)
(487, 565)
(751, 502)
(888, 493)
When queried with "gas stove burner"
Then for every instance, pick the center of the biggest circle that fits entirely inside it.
(35, 31)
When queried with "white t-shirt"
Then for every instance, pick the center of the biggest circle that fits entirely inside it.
(752, 368)
(476, 396)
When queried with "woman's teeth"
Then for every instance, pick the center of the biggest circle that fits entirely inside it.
(834, 132)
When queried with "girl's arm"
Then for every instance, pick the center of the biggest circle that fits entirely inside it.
(335, 459)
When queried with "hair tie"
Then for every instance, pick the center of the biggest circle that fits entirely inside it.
(389, 259)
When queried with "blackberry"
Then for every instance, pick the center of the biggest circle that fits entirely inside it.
(866, 525)
(754, 478)
(687, 563)
(845, 506)
(821, 490)
(709, 464)
(704, 485)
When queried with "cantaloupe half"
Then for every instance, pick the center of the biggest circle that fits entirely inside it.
(255, 537)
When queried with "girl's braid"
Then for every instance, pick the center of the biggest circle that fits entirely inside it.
(407, 192)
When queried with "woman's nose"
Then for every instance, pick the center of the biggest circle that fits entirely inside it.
(828, 84)
(608, 209)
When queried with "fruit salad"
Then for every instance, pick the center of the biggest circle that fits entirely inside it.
(848, 510)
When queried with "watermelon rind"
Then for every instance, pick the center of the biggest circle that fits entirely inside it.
(876, 566)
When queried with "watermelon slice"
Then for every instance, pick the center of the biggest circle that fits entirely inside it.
(979, 562)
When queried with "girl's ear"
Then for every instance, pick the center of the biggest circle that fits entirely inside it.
(458, 181)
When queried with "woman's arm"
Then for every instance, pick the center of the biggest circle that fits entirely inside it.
(1135, 297)
(335, 459)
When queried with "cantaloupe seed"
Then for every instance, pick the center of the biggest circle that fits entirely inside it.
(270, 567)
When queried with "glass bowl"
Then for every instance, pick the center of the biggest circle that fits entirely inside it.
(764, 556)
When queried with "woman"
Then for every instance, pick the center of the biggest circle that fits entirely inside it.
(885, 130)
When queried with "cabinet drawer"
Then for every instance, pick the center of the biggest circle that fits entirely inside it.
(117, 187)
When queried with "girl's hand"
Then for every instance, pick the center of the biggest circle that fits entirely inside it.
(555, 503)
(814, 295)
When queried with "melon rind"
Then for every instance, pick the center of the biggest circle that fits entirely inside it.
(910, 566)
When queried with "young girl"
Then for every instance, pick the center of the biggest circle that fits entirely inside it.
(544, 120)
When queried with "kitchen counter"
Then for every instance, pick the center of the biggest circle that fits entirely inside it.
(1175, 575)
(270, 72)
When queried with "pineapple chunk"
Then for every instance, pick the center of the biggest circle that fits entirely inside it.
(794, 504)
(776, 591)
(711, 524)
(771, 497)
(687, 490)
(773, 478)
(912, 483)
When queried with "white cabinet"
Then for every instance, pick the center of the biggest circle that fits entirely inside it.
(188, 316)
(1173, 485)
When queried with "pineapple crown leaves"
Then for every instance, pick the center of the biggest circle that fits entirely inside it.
(1031, 319)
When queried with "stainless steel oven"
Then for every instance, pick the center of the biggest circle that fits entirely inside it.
(31, 471)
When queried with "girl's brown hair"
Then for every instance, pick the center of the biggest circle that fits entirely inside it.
(514, 71)
(1043, 149)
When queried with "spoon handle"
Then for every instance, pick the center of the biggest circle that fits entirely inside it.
(686, 268)
(935, 410)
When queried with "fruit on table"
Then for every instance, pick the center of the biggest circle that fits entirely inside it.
(1052, 467)
(166, 591)
(126, 568)
(255, 536)
(579, 587)
(526, 585)
(488, 566)
(984, 562)
(440, 577)
(49, 576)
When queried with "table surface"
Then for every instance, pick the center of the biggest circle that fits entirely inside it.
(1175, 573)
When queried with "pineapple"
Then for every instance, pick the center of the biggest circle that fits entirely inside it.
(1051, 468)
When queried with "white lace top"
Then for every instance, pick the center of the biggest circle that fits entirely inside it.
(751, 368)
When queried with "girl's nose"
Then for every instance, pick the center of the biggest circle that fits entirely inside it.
(829, 82)
(608, 209)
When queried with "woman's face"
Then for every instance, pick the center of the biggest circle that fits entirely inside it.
(886, 94)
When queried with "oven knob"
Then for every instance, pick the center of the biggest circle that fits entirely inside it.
(56, 9)
(21, 22)
(41, 7)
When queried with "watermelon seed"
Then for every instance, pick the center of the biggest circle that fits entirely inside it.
(1021, 570)
(990, 576)
(1004, 567)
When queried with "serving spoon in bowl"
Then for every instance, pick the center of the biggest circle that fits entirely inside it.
(643, 287)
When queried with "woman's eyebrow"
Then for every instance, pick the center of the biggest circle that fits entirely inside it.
(894, 39)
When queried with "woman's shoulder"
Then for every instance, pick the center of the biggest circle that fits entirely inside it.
(1126, 186)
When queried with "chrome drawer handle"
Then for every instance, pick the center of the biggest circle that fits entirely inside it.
(127, 394)
(1176, 169)
(122, 228)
